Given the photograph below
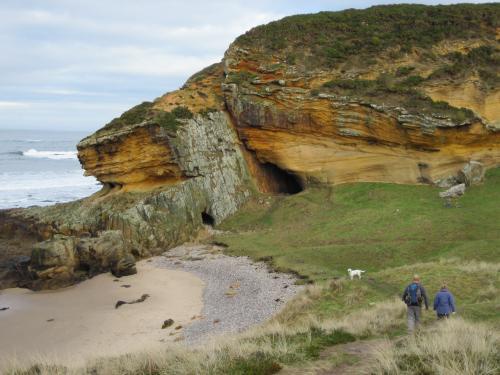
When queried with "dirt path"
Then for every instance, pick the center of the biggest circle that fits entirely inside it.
(358, 356)
(354, 358)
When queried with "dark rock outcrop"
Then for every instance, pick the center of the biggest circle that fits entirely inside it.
(64, 260)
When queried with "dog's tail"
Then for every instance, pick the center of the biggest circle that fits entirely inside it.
(361, 271)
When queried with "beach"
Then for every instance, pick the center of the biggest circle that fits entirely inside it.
(203, 291)
(72, 325)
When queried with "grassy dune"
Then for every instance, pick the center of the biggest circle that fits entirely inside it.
(392, 231)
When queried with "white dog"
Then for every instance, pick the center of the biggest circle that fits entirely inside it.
(353, 273)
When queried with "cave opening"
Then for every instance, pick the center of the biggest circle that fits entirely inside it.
(207, 219)
(280, 181)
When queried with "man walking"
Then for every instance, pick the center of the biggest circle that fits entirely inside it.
(414, 294)
(444, 303)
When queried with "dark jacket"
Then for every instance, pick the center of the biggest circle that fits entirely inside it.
(406, 294)
(444, 303)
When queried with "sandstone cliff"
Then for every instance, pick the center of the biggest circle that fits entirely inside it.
(403, 94)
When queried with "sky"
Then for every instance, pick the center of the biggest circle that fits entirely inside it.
(76, 64)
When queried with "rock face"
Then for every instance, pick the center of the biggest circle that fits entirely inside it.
(138, 218)
(144, 150)
(471, 174)
(335, 125)
(282, 111)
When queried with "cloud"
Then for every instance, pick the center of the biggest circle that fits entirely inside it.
(12, 105)
(68, 92)
(112, 54)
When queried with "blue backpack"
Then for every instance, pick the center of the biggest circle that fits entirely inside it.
(414, 294)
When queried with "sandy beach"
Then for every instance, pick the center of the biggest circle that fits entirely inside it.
(81, 322)
(200, 288)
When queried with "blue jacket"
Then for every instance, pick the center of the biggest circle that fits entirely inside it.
(444, 302)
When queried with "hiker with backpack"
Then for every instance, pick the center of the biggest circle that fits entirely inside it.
(444, 303)
(414, 294)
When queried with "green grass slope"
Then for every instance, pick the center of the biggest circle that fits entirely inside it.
(391, 231)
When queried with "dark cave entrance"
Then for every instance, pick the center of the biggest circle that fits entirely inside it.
(207, 219)
(279, 181)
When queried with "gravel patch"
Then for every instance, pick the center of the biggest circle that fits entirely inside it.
(238, 293)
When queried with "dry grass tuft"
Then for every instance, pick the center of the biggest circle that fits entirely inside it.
(451, 347)
(381, 318)
(480, 267)
(337, 285)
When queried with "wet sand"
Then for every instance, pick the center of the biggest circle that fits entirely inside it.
(73, 324)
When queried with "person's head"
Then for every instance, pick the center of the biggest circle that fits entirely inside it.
(416, 279)
(443, 285)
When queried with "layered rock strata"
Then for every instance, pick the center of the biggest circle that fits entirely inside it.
(286, 108)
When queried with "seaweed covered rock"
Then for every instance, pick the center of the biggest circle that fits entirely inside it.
(63, 260)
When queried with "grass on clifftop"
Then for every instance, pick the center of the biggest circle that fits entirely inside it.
(145, 112)
(333, 37)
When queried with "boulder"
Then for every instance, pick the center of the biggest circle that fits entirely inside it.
(108, 249)
(64, 260)
(53, 263)
(471, 174)
(124, 267)
(447, 182)
(453, 192)
(13, 271)
(56, 252)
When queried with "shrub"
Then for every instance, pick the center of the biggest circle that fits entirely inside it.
(404, 70)
(182, 112)
(205, 111)
(340, 35)
(484, 59)
(167, 120)
(350, 84)
(134, 115)
(413, 81)
(240, 77)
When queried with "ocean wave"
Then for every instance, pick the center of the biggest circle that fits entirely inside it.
(20, 153)
(22, 140)
(34, 181)
(55, 155)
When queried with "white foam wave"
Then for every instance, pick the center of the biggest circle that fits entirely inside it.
(55, 155)
(44, 180)
(23, 189)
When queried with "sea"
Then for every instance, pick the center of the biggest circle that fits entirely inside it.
(40, 167)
